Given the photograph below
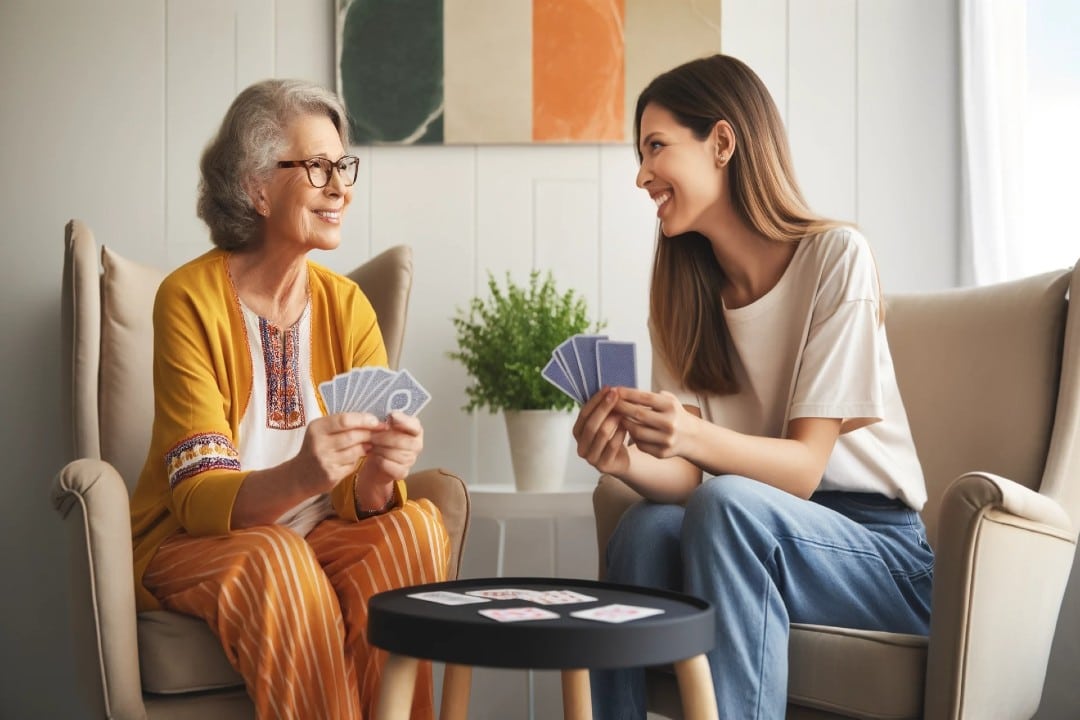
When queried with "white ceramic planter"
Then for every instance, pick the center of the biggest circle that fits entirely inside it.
(539, 442)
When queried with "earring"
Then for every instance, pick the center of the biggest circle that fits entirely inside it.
(721, 159)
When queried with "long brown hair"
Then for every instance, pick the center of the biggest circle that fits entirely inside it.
(684, 303)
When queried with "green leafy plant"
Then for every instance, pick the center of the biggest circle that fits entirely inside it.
(505, 340)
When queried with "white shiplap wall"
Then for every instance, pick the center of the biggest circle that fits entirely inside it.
(865, 148)
(464, 209)
(106, 106)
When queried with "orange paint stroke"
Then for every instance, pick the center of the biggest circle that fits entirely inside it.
(579, 66)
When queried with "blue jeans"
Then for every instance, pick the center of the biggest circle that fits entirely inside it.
(765, 558)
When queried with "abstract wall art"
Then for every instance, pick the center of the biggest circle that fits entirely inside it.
(509, 71)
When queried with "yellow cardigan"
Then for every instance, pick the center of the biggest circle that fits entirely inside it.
(202, 385)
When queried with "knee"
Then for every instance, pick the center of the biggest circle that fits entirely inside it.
(425, 551)
(723, 501)
(645, 525)
(282, 567)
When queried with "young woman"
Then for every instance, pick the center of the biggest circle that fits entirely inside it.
(780, 478)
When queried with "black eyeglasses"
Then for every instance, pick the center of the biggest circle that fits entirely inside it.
(319, 169)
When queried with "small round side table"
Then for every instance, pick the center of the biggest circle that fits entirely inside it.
(410, 629)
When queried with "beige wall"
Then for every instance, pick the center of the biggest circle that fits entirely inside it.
(104, 108)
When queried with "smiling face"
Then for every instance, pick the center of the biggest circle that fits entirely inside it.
(294, 210)
(679, 171)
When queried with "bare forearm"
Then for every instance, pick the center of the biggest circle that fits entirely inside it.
(792, 465)
(663, 480)
(266, 494)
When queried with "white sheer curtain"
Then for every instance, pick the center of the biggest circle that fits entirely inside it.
(993, 51)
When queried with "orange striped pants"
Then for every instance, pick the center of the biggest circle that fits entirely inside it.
(291, 612)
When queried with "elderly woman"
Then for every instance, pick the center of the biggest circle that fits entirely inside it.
(256, 510)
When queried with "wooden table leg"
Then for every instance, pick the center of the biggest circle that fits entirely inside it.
(398, 684)
(576, 698)
(456, 685)
(696, 689)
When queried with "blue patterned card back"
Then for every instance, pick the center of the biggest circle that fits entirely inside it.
(616, 360)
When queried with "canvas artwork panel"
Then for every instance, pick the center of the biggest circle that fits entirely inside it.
(509, 71)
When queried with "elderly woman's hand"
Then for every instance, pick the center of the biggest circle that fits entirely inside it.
(333, 446)
(391, 454)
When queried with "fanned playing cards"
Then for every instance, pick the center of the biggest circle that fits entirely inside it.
(375, 390)
(584, 363)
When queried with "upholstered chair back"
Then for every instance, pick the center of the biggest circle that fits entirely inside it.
(979, 370)
(109, 306)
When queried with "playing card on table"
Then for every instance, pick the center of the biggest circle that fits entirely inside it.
(616, 613)
(444, 597)
(518, 614)
(502, 593)
(560, 597)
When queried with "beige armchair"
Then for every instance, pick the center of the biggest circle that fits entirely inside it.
(991, 380)
(160, 664)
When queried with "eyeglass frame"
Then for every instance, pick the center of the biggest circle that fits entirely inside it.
(334, 165)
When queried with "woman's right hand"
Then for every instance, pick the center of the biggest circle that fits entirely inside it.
(332, 448)
(600, 435)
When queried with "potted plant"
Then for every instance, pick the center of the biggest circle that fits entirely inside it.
(504, 341)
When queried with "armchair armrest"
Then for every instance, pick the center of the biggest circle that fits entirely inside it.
(1003, 556)
(91, 496)
(450, 495)
(611, 498)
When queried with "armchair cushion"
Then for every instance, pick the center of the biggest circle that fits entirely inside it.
(387, 281)
(164, 638)
(126, 408)
(843, 671)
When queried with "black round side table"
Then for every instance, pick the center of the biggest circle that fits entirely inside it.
(410, 628)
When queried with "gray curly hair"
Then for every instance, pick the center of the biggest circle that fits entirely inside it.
(246, 149)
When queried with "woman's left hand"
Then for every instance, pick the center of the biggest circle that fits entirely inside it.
(391, 456)
(657, 422)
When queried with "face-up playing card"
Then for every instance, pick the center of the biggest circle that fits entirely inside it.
(560, 597)
(616, 364)
(444, 597)
(502, 594)
(616, 613)
(518, 614)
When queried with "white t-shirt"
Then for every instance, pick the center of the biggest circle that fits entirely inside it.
(813, 347)
(273, 426)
